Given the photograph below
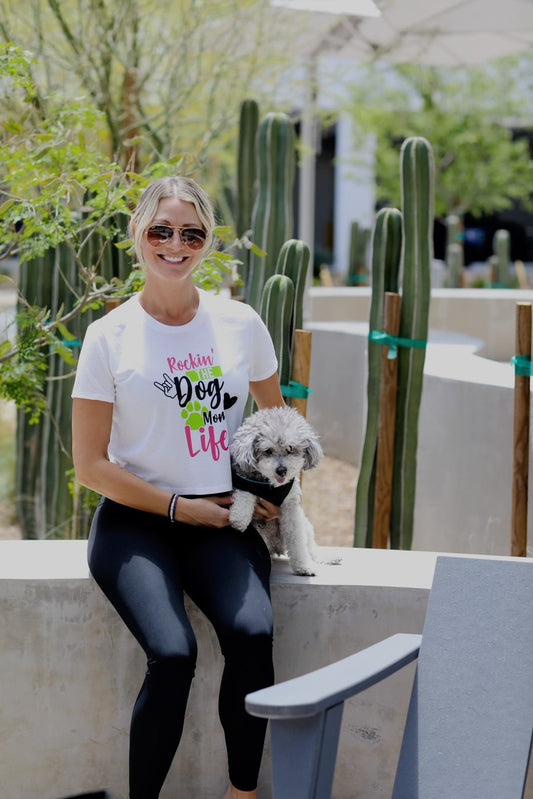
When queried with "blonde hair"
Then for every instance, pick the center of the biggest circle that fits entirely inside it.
(180, 188)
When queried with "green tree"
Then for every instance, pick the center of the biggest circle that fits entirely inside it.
(167, 76)
(468, 115)
(57, 187)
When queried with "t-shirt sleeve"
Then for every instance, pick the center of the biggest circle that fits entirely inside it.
(94, 379)
(263, 362)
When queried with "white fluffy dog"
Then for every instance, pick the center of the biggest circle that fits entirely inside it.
(268, 452)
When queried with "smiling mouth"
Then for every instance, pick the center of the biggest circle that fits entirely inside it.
(169, 259)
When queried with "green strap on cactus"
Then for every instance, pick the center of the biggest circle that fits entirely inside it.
(522, 366)
(296, 390)
(393, 342)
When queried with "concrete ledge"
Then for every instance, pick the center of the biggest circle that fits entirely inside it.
(71, 671)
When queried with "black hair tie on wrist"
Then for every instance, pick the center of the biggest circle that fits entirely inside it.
(172, 508)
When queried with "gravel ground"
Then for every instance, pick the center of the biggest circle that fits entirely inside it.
(329, 501)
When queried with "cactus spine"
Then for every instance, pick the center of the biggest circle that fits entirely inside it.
(272, 217)
(417, 174)
(386, 252)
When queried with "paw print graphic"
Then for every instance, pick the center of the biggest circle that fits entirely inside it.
(193, 413)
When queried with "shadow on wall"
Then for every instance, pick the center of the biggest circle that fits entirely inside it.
(97, 795)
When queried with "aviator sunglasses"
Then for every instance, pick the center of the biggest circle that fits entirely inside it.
(192, 237)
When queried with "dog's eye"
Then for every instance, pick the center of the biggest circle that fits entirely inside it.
(269, 452)
(289, 450)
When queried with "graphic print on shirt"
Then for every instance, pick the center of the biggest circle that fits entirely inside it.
(197, 384)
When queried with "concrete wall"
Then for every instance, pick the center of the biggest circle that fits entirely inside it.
(70, 672)
(481, 313)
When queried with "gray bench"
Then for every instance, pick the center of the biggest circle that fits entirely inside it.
(470, 721)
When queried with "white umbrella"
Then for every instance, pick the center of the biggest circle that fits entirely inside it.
(444, 32)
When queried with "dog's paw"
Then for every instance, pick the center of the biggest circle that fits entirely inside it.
(238, 522)
(303, 571)
(332, 562)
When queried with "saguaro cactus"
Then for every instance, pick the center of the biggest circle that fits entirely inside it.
(417, 175)
(501, 260)
(455, 265)
(386, 252)
(357, 263)
(272, 217)
(246, 175)
(45, 506)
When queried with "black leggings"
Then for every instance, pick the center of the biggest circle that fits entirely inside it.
(143, 564)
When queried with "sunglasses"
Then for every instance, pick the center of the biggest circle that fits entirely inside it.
(192, 237)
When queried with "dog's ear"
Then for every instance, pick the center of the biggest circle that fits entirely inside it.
(244, 450)
(312, 452)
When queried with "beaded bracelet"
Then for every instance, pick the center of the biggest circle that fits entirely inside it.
(172, 507)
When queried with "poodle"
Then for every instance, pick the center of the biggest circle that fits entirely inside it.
(268, 452)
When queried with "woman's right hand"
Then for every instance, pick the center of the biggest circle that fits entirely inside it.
(204, 511)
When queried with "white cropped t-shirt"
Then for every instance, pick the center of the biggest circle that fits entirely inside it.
(178, 392)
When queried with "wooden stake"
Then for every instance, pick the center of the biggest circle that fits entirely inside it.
(110, 305)
(521, 435)
(301, 365)
(387, 426)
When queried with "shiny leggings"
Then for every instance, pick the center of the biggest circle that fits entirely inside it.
(143, 564)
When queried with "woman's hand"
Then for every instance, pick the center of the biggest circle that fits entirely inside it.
(265, 511)
(204, 511)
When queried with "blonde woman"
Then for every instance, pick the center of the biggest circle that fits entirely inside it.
(160, 390)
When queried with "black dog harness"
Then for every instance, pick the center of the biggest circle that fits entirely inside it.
(262, 488)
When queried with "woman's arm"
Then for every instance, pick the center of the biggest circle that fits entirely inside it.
(91, 431)
(267, 393)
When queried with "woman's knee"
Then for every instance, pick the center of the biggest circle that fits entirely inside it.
(170, 668)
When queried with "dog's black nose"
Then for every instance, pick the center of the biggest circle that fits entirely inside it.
(281, 470)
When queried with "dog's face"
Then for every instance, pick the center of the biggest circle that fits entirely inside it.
(277, 443)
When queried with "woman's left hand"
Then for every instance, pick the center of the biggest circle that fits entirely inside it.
(265, 510)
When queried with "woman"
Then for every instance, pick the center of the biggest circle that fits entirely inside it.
(161, 386)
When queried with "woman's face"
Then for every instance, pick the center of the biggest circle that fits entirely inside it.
(173, 259)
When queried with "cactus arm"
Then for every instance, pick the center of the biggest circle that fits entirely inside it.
(293, 261)
(276, 312)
